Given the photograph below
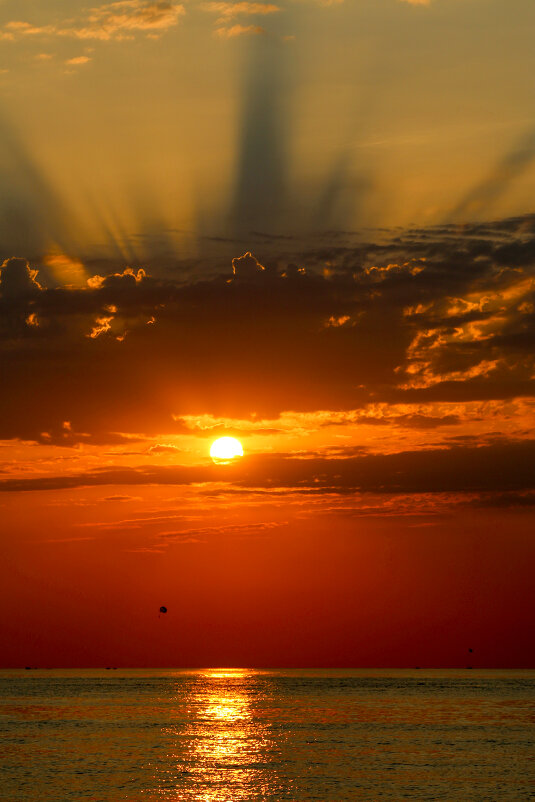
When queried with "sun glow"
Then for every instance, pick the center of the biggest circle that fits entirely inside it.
(225, 450)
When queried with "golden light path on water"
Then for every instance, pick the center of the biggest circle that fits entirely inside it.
(221, 751)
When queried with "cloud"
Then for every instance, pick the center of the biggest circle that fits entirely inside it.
(498, 469)
(103, 323)
(121, 498)
(246, 266)
(227, 11)
(127, 279)
(505, 500)
(117, 21)
(202, 534)
(255, 338)
(239, 30)
(78, 61)
(18, 279)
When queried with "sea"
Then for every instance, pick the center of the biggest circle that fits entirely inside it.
(227, 735)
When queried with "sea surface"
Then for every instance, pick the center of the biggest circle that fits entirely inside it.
(232, 735)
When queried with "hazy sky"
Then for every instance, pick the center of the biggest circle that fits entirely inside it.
(142, 117)
(310, 226)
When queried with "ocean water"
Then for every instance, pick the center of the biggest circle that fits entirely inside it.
(231, 735)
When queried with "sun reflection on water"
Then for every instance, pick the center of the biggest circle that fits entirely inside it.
(218, 751)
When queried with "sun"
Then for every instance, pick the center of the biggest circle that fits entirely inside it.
(225, 450)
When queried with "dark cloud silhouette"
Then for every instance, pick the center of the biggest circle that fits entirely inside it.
(18, 279)
(506, 501)
(496, 469)
(246, 266)
(427, 316)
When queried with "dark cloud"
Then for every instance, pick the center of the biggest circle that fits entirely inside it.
(426, 316)
(126, 280)
(18, 279)
(497, 469)
(246, 266)
(520, 501)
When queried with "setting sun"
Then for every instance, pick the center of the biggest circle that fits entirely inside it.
(226, 449)
(267, 420)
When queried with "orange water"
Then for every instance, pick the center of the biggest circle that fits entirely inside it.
(232, 735)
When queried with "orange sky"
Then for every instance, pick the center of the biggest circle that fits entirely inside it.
(250, 222)
(381, 514)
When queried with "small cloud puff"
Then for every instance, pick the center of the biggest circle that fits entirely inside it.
(229, 10)
(163, 449)
(239, 30)
(246, 266)
(77, 61)
(126, 278)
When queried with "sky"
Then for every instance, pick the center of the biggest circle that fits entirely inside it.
(307, 225)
